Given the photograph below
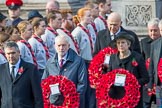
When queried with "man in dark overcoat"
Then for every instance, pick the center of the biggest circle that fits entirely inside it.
(107, 35)
(19, 81)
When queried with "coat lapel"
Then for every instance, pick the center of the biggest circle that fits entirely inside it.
(21, 71)
(106, 38)
(8, 71)
(157, 50)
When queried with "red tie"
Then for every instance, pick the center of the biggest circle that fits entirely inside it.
(89, 36)
(31, 51)
(75, 42)
(61, 63)
(44, 46)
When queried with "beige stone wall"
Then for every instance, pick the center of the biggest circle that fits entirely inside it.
(135, 13)
(40, 5)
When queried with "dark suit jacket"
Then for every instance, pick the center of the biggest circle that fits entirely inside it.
(24, 91)
(146, 47)
(103, 40)
(156, 51)
(145, 50)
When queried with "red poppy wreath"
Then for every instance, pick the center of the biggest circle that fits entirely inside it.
(130, 96)
(160, 69)
(67, 89)
(96, 65)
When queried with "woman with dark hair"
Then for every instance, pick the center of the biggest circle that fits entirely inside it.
(128, 60)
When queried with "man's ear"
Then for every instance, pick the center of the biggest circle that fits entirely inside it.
(101, 5)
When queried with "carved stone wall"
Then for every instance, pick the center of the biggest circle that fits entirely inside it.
(136, 13)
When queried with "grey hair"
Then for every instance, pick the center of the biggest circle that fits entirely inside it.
(62, 37)
(10, 44)
(160, 24)
(153, 21)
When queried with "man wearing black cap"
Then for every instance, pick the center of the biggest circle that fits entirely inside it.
(14, 12)
(2, 21)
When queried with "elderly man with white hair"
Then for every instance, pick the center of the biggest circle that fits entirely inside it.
(67, 63)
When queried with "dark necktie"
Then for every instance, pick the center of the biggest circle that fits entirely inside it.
(61, 63)
(13, 73)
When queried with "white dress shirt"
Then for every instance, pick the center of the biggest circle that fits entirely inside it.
(64, 59)
(16, 67)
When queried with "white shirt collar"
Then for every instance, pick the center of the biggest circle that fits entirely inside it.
(16, 66)
(64, 58)
(116, 32)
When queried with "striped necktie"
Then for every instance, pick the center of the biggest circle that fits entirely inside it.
(61, 63)
(13, 73)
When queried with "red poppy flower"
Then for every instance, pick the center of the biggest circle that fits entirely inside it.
(96, 65)
(67, 88)
(134, 62)
(160, 69)
(147, 63)
(131, 96)
(21, 70)
(153, 91)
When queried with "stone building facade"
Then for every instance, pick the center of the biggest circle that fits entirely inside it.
(135, 13)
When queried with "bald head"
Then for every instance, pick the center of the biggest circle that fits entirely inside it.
(114, 16)
(114, 22)
(52, 5)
